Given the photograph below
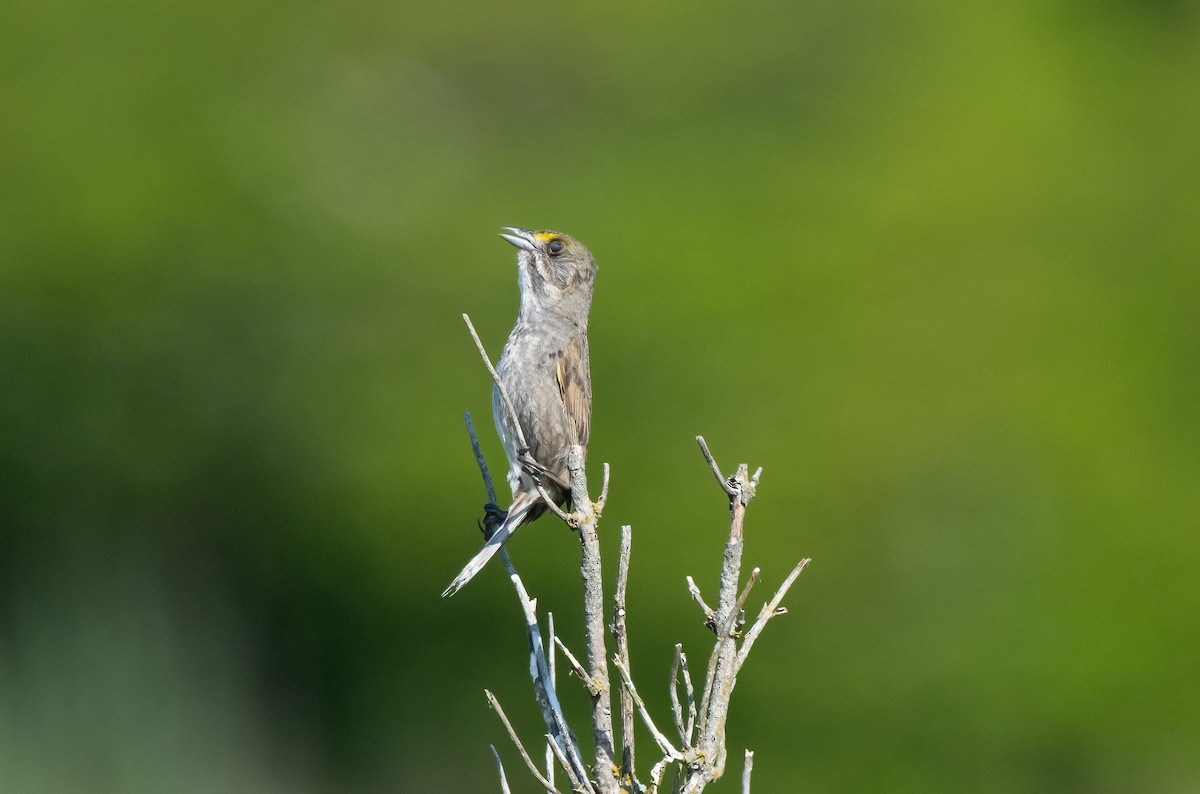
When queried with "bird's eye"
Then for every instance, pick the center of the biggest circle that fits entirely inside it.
(555, 247)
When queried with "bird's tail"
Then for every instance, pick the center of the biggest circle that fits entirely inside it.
(516, 514)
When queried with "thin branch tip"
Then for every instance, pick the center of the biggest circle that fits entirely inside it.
(712, 464)
(747, 767)
(479, 459)
(603, 500)
(710, 615)
(504, 789)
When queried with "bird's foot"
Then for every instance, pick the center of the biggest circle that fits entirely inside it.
(493, 518)
(531, 466)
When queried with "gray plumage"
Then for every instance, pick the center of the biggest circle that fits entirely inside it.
(544, 369)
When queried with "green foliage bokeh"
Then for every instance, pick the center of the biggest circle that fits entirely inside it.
(934, 267)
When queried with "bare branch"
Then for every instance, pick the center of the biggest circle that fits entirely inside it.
(543, 687)
(657, 772)
(690, 691)
(660, 738)
(712, 464)
(500, 768)
(710, 680)
(577, 785)
(592, 687)
(673, 691)
(483, 469)
(551, 656)
(554, 682)
(603, 500)
(721, 675)
(487, 362)
(686, 730)
(727, 629)
(741, 602)
(769, 610)
(593, 621)
(709, 612)
(620, 632)
(495, 704)
(568, 519)
(746, 769)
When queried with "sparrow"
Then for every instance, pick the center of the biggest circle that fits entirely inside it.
(544, 369)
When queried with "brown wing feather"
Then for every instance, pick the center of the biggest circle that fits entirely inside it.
(575, 385)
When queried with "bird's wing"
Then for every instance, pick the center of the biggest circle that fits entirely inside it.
(508, 437)
(575, 386)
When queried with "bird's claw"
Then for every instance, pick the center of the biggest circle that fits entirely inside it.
(493, 519)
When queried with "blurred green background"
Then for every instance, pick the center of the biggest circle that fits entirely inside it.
(933, 266)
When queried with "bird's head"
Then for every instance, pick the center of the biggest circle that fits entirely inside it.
(556, 272)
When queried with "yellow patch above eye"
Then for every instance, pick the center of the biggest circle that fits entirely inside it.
(545, 237)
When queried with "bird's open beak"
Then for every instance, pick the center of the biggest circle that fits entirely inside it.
(520, 238)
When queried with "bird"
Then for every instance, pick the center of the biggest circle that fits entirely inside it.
(545, 372)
